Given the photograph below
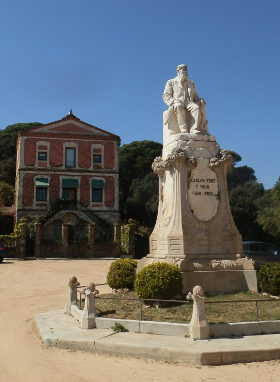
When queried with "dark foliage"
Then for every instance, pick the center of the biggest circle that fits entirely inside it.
(138, 183)
(269, 278)
(244, 195)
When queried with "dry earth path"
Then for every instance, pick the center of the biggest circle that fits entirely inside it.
(29, 287)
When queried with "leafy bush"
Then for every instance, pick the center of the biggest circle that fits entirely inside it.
(122, 274)
(118, 328)
(158, 280)
(269, 278)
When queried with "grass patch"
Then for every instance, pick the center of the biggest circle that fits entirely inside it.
(181, 313)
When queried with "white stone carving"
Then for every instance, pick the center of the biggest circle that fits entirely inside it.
(203, 191)
(186, 111)
(199, 327)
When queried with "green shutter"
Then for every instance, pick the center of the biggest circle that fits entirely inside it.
(70, 183)
(97, 183)
(42, 182)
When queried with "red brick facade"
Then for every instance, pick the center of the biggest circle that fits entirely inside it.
(67, 150)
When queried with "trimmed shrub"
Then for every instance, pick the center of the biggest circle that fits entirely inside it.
(269, 278)
(122, 274)
(158, 280)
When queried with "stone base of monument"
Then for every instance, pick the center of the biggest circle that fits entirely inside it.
(194, 228)
(221, 281)
(215, 276)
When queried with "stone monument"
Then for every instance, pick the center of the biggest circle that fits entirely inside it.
(194, 227)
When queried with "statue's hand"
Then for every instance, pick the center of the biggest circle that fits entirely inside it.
(192, 107)
(178, 102)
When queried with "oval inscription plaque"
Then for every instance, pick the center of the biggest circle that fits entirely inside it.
(203, 191)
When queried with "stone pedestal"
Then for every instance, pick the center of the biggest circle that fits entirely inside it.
(194, 227)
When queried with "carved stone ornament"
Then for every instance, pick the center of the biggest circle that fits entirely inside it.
(90, 289)
(225, 158)
(159, 165)
(73, 282)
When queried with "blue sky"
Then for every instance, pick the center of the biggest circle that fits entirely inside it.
(109, 61)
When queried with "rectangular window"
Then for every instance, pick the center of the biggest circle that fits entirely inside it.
(70, 157)
(41, 194)
(97, 195)
(97, 158)
(42, 155)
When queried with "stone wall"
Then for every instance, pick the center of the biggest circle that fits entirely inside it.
(80, 250)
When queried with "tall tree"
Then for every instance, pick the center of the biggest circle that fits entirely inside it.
(244, 195)
(138, 183)
(6, 194)
(269, 212)
(8, 139)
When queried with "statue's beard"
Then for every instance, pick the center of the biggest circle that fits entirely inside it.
(183, 77)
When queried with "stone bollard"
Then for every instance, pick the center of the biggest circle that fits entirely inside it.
(89, 313)
(199, 327)
(22, 238)
(65, 234)
(37, 238)
(72, 294)
(117, 231)
(91, 233)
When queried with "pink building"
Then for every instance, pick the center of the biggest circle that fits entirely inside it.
(71, 161)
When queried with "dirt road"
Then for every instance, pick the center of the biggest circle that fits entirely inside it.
(30, 287)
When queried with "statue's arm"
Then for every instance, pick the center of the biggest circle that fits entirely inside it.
(196, 99)
(167, 95)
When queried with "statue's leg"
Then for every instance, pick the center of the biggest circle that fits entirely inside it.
(202, 119)
(181, 118)
(193, 108)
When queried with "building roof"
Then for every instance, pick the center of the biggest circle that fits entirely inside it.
(69, 125)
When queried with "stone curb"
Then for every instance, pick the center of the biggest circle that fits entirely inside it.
(62, 331)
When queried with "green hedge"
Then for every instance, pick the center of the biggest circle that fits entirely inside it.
(158, 280)
(122, 274)
(269, 278)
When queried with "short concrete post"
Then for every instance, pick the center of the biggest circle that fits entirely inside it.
(65, 234)
(89, 313)
(37, 238)
(91, 233)
(72, 294)
(22, 239)
(199, 327)
(117, 231)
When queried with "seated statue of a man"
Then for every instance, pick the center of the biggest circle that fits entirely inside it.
(183, 102)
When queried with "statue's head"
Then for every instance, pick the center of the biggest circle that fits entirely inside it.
(73, 281)
(90, 287)
(182, 70)
(198, 291)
